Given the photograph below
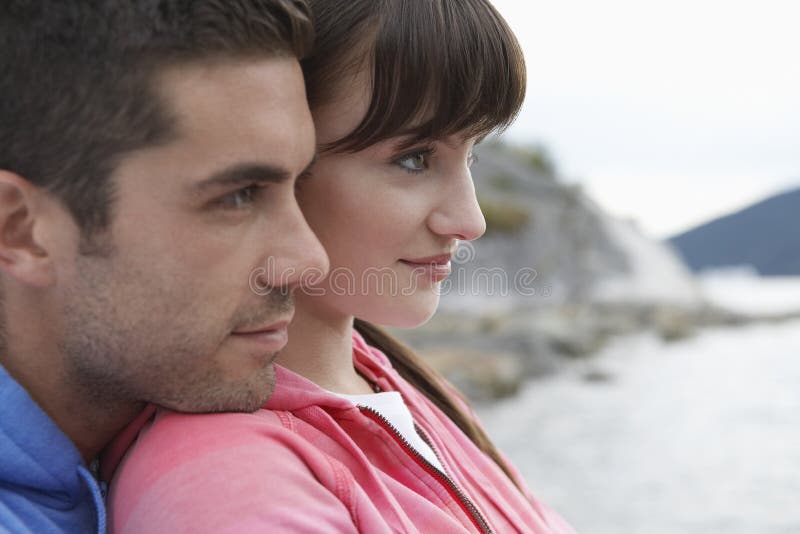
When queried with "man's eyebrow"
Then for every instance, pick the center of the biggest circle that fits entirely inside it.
(245, 174)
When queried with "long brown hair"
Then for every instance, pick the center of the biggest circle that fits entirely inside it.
(437, 68)
(426, 379)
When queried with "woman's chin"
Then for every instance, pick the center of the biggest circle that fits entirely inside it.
(405, 312)
(405, 322)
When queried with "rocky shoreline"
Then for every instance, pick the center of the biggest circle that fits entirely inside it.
(489, 356)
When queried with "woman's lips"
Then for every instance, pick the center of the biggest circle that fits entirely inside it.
(439, 259)
(433, 268)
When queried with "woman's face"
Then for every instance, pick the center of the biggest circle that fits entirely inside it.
(389, 218)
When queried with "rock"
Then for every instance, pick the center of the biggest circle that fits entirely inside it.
(481, 376)
(597, 376)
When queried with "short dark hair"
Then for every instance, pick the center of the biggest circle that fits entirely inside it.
(437, 67)
(77, 76)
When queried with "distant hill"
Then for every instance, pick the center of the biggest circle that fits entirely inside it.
(765, 236)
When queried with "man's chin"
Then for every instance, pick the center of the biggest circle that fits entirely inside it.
(245, 396)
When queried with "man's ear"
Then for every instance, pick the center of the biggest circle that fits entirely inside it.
(21, 256)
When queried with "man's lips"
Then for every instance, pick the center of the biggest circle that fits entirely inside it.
(280, 325)
(271, 338)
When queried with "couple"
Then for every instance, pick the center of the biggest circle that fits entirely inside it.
(155, 157)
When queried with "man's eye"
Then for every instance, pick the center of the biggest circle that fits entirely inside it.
(241, 198)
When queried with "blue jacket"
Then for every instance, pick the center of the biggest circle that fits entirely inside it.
(44, 483)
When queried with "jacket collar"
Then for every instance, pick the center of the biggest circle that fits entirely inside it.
(294, 392)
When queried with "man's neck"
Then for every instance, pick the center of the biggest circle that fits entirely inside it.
(321, 349)
(95, 428)
(90, 423)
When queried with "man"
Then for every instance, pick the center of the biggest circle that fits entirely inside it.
(148, 156)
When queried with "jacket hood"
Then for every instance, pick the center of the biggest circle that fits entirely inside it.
(36, 455)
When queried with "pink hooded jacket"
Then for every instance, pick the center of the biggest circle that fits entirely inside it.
(311, 462)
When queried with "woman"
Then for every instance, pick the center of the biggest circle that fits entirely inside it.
(360, 434)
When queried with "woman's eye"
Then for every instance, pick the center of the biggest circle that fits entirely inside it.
(240, 198)
(302, 179)
(415, 162)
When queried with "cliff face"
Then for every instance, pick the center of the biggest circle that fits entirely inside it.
(654, 273)
(555, 246)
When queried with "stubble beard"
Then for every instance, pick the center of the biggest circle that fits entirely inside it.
(113, 360)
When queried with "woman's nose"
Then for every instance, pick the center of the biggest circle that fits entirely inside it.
(457, 213)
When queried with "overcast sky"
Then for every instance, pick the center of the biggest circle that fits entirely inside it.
(668, 112)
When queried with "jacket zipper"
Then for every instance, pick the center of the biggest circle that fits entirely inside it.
(469, 508)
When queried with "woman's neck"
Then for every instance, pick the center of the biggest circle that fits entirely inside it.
(320, 349)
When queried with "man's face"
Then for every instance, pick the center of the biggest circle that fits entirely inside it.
(168, 314)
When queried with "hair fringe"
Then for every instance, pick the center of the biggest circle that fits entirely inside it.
(437, 67)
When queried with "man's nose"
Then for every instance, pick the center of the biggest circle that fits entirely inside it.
(298, 257)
